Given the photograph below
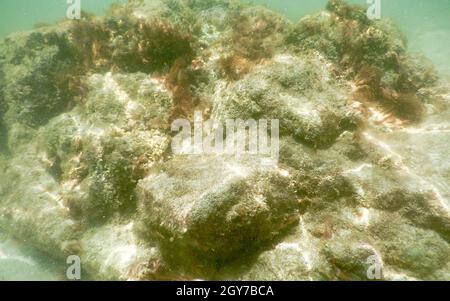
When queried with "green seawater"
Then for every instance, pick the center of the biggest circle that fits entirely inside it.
(16, 15)
(425, 23)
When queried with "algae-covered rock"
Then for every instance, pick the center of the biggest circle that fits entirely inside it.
(113, 252)
(349, 260)
(299, 91)
(215, 209)
(106, 162)
(358, 191)
(373, 52)
(345, 34)
(286, 262)
(423, 252)
(37, 87)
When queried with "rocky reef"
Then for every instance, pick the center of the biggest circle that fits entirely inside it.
(87, 168)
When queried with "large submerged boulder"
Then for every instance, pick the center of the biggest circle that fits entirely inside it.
(87, 167)
(216, 209)
(300, 91)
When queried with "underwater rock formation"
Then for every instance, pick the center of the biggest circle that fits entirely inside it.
(87, 169)
(205, 211)
(299, 91)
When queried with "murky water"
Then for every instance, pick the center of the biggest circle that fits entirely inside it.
(20, 263)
